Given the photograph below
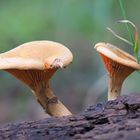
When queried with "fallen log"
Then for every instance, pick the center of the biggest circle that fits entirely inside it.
(116, 120)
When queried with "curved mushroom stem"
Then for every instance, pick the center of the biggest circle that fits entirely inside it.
(38, 81)
(49, 101)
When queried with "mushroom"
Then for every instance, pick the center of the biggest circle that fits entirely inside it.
(34, 63)
(119, 65)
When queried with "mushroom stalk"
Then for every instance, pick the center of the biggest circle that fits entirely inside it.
(49, 101)
(114, 86)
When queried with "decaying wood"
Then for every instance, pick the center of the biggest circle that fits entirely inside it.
(116, 120)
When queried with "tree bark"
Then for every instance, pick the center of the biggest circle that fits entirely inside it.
(116, 120)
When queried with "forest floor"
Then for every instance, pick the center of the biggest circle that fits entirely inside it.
(116, 120)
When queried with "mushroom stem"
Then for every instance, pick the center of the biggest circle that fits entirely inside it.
(50, 102)
(114, 87)
(116, 79)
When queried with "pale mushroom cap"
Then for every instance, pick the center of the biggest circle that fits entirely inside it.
(117, 55)
(35, 55)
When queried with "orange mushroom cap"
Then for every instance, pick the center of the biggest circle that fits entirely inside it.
(35, 61)
(112, 52)
(39, 55)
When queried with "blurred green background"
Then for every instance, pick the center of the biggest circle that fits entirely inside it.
(78, 24)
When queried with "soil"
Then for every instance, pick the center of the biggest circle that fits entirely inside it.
(116, 120)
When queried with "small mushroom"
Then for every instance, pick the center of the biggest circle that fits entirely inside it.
(119, 65)
(34, 63)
